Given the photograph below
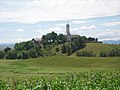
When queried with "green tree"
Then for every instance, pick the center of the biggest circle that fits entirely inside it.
(7, 49)
(57, 49)
(24, 55)
(2, 54)
(68, 50)
(61, 38)
(103, 54)
(11, 55)
(33, 53)
(63, 48)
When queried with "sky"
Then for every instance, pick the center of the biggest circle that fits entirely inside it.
(22, 20)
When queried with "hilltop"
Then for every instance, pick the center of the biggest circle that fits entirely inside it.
(98, 47)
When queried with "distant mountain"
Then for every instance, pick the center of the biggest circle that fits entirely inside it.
(4, 45)
(111, 41)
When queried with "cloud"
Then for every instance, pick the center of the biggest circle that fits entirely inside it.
(109, 35)
(78, 22)
(20, 30)
(58, 30)
(40, 30)
(0, 30)
(111, 24)
(33, 11)
(61, 25)
(92, 27)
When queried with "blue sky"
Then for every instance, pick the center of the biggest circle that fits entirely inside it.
(22, 20)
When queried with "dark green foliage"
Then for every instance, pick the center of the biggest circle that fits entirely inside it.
(103, 54)
(19, 56)
(61, 38)
(24, 46)
(63, 48)
(68, 50)
(2, 54)
(33, 53)
(11, 55)
(57, 49)
(24, 55)
(85, 53)
(90, 39)
(111, 53)
(7, 49)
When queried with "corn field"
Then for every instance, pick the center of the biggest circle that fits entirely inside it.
(92, 80)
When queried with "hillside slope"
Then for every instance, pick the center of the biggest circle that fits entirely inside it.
(98, 47)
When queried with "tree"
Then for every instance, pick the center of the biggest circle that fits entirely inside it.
(33, 53)
(7, 49)
(24, 46)
(24, 55)
(103, 54)
(57, 49)
(68, 50)
(61, 38)
(63, 48)
(2, 54)
(11, 55)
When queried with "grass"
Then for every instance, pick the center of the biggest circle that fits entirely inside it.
(53, 66)
(98, 47)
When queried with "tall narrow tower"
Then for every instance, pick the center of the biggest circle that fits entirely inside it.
(68, 29)
(68, 32)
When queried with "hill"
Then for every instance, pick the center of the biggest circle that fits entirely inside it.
(98, 47)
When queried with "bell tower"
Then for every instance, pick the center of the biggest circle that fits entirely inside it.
(68, 32)
(68, 29)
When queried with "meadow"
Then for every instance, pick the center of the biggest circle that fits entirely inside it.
(49, 70)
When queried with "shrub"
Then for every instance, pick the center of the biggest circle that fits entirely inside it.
(85, 53)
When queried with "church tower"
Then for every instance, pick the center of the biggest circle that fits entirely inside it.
(68, 32)
(68, 29)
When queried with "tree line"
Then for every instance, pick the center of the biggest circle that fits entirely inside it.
(111, 53)
(23, 50)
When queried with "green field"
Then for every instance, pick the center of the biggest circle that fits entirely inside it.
(50, 66)
(61, 73)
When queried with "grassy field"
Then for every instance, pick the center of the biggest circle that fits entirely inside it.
(52, 66)
(61, 73)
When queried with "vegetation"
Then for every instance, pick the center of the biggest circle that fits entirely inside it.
(60, 73)
(97, 48)
(87, 80)
(111, 53)
(2, 54)
(53, 44)
(85, 53)
(52, 66)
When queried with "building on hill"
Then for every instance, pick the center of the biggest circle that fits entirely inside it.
(36, 41)
(69, 36)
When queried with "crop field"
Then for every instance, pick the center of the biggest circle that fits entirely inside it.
(92, 80)
(61, 73)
